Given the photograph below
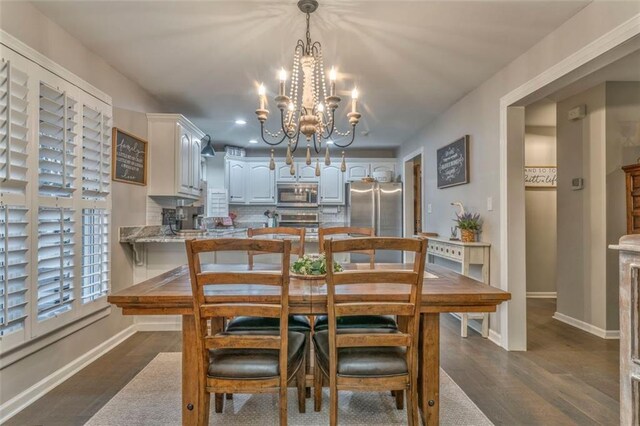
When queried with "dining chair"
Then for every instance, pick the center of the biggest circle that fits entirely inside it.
(370, 359)
(244, 361)
(365, 321)
(299, 323)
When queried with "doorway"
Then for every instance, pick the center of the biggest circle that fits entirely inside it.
(513, 271)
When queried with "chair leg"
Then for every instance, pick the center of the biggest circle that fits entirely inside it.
(400, 399)
(333, 403)
(317, 388)
(307, 351)
(301, 378)
(219, 402)
(283, 404)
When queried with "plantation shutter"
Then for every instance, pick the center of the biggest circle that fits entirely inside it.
(96, 154)
(57, 143)
(55, 261)
(95, 254)
(13, 269)
(14, 129)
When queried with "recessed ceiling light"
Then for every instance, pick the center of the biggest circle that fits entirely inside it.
(241, 122)
(253, 141)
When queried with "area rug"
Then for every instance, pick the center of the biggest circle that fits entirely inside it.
(153, 398)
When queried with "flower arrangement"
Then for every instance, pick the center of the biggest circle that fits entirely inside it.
(313, 265)
(469, 224)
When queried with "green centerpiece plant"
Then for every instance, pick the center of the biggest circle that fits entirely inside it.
(314, 265)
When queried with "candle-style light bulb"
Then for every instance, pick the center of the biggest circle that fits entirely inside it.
(291, 106)
(262, 95)
(320, 107)
(333, 75)
(354, 100)
(283, 78)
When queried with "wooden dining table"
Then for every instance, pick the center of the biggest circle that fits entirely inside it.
(444, 291)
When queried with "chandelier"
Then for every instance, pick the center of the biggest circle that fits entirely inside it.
(306, 108)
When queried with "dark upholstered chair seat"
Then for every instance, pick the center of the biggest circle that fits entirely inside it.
(255, 363)
(363, 361)
(298, 323)
(357, 321)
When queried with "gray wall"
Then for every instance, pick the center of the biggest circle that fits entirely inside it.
(24, 21)
(478, 115)
(540, 210)
(582, 214)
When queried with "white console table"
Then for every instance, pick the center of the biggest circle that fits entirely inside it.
(466, 254)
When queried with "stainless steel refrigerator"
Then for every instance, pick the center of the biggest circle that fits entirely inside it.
(379, 206)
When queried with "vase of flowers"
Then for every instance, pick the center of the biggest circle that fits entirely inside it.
(469, 225)
(313, 267)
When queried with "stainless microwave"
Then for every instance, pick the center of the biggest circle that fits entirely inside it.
(297, 195)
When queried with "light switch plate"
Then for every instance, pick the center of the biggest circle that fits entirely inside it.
(429, 208)
(490, 204)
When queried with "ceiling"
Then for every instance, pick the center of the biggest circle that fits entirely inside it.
(410, 60)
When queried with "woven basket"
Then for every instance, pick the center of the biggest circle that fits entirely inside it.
(468, 236)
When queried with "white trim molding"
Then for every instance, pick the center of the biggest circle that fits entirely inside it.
(38, 390)
(585, 326)
(158, 322)
(542, 295)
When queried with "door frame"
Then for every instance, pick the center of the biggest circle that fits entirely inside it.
(407, 191)
(603, 51)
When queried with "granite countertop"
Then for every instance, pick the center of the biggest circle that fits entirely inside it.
(161, 234)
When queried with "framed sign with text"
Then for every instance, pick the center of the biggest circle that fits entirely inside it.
(453, 163)
(541, 177)
(130, 155)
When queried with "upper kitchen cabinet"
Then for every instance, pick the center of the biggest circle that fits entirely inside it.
(261, 183)
(360, 169)
(174, 156)
(357, 171)
(250, 181)
(303, 173)
(235, 177)
(331, 184)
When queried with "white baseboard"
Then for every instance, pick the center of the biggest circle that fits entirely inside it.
(496, 338)
(35, 392)
(542, 295)
(476, 325)
(158, 323)
(589, 328)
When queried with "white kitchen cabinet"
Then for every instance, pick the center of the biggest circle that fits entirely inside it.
(331, 184)
(235, 180)
(261, 184)
(307, 173)
(386, 166)
(283, 173)
(303, 173)
(174, 156)
(357, 171)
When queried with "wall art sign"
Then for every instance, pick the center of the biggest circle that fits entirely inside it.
(129, 158)
(453, 163)
(541, 177)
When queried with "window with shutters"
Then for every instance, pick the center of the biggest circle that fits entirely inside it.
(14, 127)
(95, 254)
(55, 201)
(14, 263)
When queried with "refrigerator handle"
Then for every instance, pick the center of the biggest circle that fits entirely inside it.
(376, 214)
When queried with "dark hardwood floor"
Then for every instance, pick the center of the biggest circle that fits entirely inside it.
(567, 377)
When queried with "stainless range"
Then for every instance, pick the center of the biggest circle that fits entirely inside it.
(310, 220)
